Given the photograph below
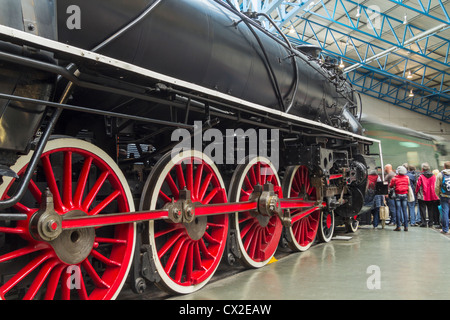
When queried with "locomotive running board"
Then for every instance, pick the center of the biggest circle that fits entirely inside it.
(23, 38)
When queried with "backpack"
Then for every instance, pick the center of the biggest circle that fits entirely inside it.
(445, 188)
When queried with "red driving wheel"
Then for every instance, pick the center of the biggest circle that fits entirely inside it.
(186, 254)
(258, 235)
(85, 263)
(297, 184)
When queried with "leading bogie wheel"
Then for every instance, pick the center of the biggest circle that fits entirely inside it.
(352, 224)
(327, 224)
(80, 264)
(296, 184)
(186, 254)
(258, 236)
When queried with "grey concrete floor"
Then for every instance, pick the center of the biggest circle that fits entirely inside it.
(373, 264)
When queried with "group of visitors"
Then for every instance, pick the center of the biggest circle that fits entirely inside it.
(430, 190)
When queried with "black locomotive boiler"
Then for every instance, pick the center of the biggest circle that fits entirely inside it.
(92, 192)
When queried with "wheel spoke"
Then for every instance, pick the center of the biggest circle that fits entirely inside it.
(22, 252)
(210, 239)
(244, 217)
(205, 184)
(190, 176)
(181, 263)
(250, 236)
(25, 271)
(164, 197)
(53, 282)
(206, 254)
(82, 181)
(40, 278)
(211, 195)
(37, 194)
(170, 243)
(65, 289)
(98, 281)
(251, 243)
(172, 186)
(190, 263)
(105, 260)
(177, 248)
(102, 205)
(24, 209)
(252, 177)
(180, 177)
(197, 181)
(51, 182)
(67, 190)
(82, 293)
(94, 191)
(167, 230)
(111, 241)
(257, 168)
(198, 257)
(245, 195)
(16, 230)
(248, 185)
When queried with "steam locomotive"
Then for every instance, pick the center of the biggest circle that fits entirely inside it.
(115, 116)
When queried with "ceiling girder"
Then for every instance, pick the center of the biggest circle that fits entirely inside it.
(377, 45)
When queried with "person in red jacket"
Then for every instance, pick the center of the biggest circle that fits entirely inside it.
(426, 195)
(400, 183)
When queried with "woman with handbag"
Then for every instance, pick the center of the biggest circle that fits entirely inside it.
(400, 183)
(427, 198)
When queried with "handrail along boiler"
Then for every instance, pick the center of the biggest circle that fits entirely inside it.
(90, 193)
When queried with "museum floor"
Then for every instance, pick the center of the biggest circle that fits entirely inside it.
(372, 264)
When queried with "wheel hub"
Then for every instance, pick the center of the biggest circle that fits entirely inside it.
(45, 224)
(196, 229)
(268, 205)
(71, 246)
(75, 245)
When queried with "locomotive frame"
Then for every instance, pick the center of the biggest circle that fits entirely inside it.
(324, 176)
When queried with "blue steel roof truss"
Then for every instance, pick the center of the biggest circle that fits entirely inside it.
(387, 56)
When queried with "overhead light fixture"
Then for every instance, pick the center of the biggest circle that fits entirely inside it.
(341, 64)
(411, 93)
(409, 76)
(292, 30)
(358, 11)
(405, 20)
